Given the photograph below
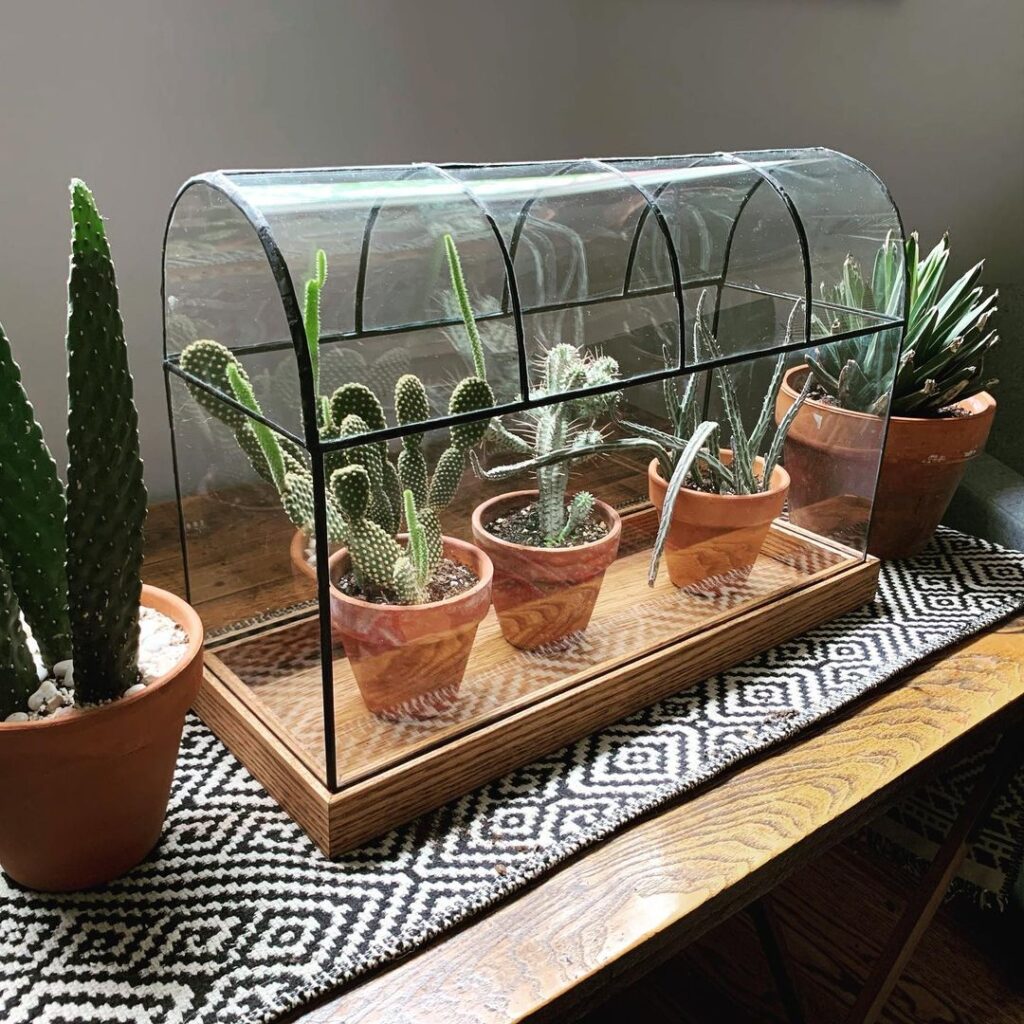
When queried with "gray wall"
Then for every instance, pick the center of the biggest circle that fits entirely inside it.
(136, 95)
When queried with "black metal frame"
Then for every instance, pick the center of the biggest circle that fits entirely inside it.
(310, 440)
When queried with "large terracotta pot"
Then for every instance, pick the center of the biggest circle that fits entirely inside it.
(714, 539)
(542, 595)
(83, 795)
(409, 660)
(832, 456)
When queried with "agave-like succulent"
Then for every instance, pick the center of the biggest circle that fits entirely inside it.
(942, 359)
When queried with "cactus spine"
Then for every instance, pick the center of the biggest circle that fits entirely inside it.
(391, 491)
(106, 496)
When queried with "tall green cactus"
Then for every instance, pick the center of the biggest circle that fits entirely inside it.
(71, 569)
(32, 513)
(106, 496)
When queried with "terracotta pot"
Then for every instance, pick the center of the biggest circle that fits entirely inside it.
(832, 456)
(302, 568)
(542, 595)
(83, 796)
(714, 539)
(409, 660)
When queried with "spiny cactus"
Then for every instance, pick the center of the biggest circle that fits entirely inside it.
(353, 410)
(568, 426)
(947, 336)
(72, 573)
(106, 495)
(32, 510)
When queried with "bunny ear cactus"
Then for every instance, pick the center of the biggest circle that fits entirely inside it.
(106, 505)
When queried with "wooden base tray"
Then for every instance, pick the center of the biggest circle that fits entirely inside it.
(262, 693)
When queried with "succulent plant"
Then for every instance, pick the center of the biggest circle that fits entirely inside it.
(353, 410)
(567, 427)
(947, 336)
(70, 566)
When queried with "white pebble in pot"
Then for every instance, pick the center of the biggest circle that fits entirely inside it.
(42, 695)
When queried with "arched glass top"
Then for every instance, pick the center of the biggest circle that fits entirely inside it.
(611, 255)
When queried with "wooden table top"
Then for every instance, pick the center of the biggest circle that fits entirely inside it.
(613, 912)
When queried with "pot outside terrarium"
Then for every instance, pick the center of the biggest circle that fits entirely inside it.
(714, 539)
(409, 659)
(544, 594)
(83, 794)
(833, 456)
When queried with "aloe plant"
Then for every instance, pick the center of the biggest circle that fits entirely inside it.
(70, 564)
(947, 336)
(353, 410)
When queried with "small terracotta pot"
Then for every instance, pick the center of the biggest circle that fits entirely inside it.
(714, 539)
(544, 594)
(409, 660)
(832, 455)
(302, 568)
(83, 796)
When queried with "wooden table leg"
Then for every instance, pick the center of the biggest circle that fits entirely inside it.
(929, 892)
(774, 945)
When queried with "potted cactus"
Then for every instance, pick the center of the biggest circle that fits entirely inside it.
(405, 606)
(93, 690)
(941, 412)
(549, 553)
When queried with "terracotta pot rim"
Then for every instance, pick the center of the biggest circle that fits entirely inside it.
(780, 482)
(481, 584)
(175, 608)
(988, 405)
(611, 517)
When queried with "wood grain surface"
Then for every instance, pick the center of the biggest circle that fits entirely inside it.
(566, 943)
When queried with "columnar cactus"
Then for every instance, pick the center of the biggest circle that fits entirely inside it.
(568, 427)
(106, 495)
(69, 568)
(353, 410)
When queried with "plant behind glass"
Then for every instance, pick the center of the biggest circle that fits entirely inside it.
(367, 494)
(942, 359)
(689, 455)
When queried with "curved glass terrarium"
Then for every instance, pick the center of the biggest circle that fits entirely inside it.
(613, 307)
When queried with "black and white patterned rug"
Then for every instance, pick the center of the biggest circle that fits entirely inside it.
(238, 918)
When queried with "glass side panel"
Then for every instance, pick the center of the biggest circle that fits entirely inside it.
(455, 670)
(218, 285)
(571, 230)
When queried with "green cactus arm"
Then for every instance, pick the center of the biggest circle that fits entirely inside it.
(446, 477)
(405, 582)
(311, 314)
(465, 308)
(431, 525)
(209, 361)
(32, 509)
(504, 440)
(417, 550)
(620, 444)
(683, 465)
(18, 678)
(470, 395)
(297, 501)
(264, 435)
(392, 486)
(580, 508)
(106, 496)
